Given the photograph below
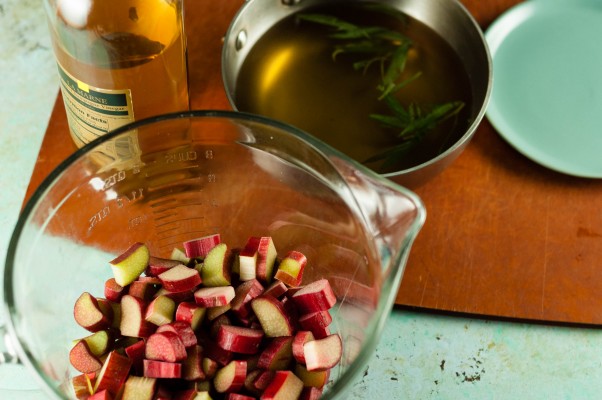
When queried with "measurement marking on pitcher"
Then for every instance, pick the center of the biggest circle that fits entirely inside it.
(100, 215)
(136, 221)
(105, 212)
(181, 156)
(162, 202)
(165, 211)
(155, 179)
(176, 206)
(178, 221)
(131, 197)
(114, 179)
(162, 217)
(177, 218)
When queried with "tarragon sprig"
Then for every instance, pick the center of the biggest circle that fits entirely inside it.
(385, 47)
(389, 50)
(411, 123)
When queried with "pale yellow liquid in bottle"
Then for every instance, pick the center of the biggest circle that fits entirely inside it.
(135, 46)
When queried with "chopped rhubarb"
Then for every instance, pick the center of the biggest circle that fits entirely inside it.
(82, 359)
(315, 296)
(165, 346)
(191, 313)
(238, 339)
(214, 296)
(162, 369)
(231, 377)
(113, 291)
(183, 330)
(180, 279)
(322, 354)
(272, 316)
(290, 270)
(88, 314)
(200, 247)
(299, 340)
(187, 331)
(277, 355)
(157, 266)
(130, 264)
(316, 322)
(285, 385)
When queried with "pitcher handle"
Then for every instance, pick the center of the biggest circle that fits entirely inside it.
(8, 355)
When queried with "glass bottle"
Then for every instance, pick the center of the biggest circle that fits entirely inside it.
(118, 61)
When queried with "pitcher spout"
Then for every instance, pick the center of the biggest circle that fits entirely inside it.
(392, 214)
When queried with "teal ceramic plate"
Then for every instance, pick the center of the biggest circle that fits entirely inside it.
(547, 83)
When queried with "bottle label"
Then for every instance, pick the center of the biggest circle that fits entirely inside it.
(93, 112)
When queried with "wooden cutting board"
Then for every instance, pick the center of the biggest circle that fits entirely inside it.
(504, 237)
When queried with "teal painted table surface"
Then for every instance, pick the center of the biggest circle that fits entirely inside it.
(420, 355)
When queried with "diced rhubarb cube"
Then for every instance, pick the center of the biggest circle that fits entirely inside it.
(276, 289)
(200, 247)
(191, 313)
(192, 368)
(239, 339)
(277, 355)
(130, 264)
(272, 316)
(290, 270)
(113, 291)
(214, 296)
(180, 279)
(284, 385)
(231, 377)
(165, 346)
(160, 311)
(114, 372)
(216, 266)
(243, 294)
(323, 354)
(157, 266)
(133, 323)
(183, 330)
(162, 369)
(299, 340)
(315, 296)
(82, 359)
(317, 323)
(88, 314)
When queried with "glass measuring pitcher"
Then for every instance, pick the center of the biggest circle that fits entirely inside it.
(188, 175)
